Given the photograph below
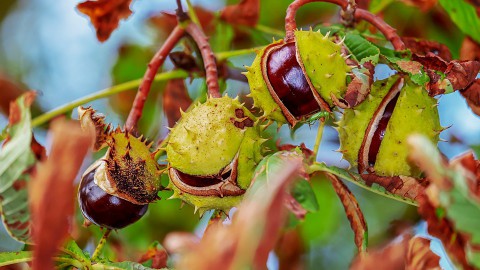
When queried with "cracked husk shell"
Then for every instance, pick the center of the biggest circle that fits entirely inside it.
(128, 169)
(322, 63)
(414, 113)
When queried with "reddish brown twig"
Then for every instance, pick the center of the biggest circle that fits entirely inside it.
(359, 14)
(153, 66)
(211, 72)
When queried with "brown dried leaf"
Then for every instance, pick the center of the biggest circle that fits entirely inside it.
(410, 66)
(443, 229)
(423, 47)
(407, 254)
(307, 153)
(290, 249)
(105, 15)
(167, 21)
(460, 73)
(175, 100)
(246, 13)
(254, 231)
(52, 191)
(15, 112)
(184, 61)
(472, 96)
(358, 89)
(470, 49)
(353, 211)
(471, 171)
(404, 186)
(423, 5)
(10, 92)
(157, 254)
(420, 256)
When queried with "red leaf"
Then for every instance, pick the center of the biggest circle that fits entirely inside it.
(52, 191)
(472, 96)
(420, 256)
(157, 254)
(10, 92)
(470, 49)
(246, 13)
(290, 249)
(358, 89)
(404, 186)
(105, 15)
(353, 211)
(460, 73)
(254, 230)
(423, 47)
(175, 98)
(423, 5)
(472, 171)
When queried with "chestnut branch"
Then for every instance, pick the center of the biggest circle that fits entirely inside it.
(358, 14)
(157, 61)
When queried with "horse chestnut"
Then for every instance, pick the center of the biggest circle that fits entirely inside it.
(103, 209)
(373, 134)
(290, 81)
(212, 153)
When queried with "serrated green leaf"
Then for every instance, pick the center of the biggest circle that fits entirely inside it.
(73, 250)
(15, 157)
(303, 193)
(464, 16)
(7, 258)
(362, 50)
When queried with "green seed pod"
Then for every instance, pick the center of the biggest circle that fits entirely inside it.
(373, 135)
(212, 153)
(291, 81)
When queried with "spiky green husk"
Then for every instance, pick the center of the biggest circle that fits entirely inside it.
(205, 141)
(415, 112)
(259, 90)
(131, 170)
(323, 63)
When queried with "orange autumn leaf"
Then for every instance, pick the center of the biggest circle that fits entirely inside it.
(105, 15)
(246, 12)
(51, 191)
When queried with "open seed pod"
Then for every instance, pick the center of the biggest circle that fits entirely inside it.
(212, 153)
(373, 135)
(116, 190)
(291, 81)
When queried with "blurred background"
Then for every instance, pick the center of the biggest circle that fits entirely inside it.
(48, 46)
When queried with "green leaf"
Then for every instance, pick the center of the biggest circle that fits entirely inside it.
(15, 157)
(122, 266)
(377, 6)
(464, 16)
(7, 258)
(362, 50)
(302, 192)
(222, 39)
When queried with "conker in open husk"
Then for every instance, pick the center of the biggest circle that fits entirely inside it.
(373, 135)
(106, 210)
(290, 81)
(212, 152)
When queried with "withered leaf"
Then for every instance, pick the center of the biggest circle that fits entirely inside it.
(359, 88)
(407, 253)
(10, 92)
(105, 15)
(404, 186)
(468, 162)
(423, 47)
(472, 96)
(175, 100)
(470, 49)
(246, 13)
(52, 190)
(290, 249)
(459, 73)
(423, 5)
(157, 254)
(353, 211)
